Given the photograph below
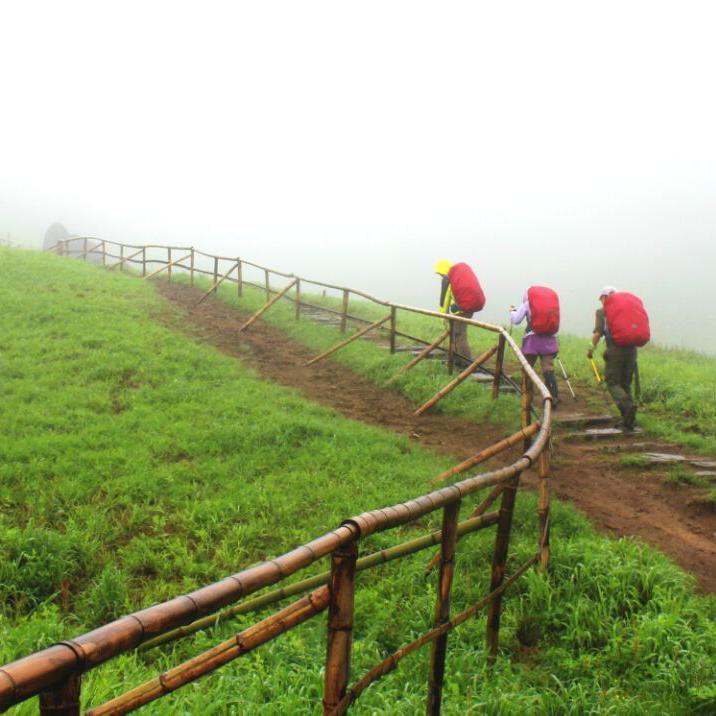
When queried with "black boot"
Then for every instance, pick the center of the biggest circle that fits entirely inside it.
(550, 380)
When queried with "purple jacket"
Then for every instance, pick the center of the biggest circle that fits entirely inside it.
(533, 344)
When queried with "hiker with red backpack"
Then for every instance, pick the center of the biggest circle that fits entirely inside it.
(624, 323)
(460, 293)
(540, 306)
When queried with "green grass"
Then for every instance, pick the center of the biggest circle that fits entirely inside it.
(634, 460)
(136, 463)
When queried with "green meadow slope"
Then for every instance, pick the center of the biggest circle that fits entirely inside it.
(136, 463)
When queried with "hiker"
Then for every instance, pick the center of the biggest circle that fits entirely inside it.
(624, 324)
(461, 294)
(540, 305)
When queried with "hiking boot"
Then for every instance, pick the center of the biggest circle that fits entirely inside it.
(550, 380)
(629, 419)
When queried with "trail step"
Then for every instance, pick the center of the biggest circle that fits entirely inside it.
(659, 458)
(600, 434)
(705, 473)
(705, 464)
(580, 420)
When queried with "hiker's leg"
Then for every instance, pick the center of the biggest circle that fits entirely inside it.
(550, 379)
(614, 377)
(461, 345)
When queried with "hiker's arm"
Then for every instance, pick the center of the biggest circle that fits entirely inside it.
(517, 315)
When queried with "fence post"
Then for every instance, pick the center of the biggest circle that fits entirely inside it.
(344, 310)
(216, 272)
(239, 278)
(191, 268)
(268, 287)
(104, 252)
(543, 472)
(393, 314)
(526, 406)
(442, 606)
(144, 261)
(121, 257)
(498, 367)
(63, 700)
(451, 348)
(169, 263)
(84, 251)
(340, 625)
(298, 299)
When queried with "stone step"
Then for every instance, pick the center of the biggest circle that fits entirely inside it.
(581, 420)
(600, 434)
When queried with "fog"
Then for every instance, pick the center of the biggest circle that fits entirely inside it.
(565, 144)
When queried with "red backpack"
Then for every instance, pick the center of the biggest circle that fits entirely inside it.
(544, 310)
(627, 320)
(466, 289)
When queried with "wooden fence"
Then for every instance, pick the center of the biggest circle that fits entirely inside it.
(54, 674)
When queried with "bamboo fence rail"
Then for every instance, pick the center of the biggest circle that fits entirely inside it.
(54, 673)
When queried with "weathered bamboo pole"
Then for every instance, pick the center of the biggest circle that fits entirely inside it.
(473, 524)
(104, 253)
(268, 286)
(216, 268)
(526, 414)
(212, 659)
(498, 367)
(543, 508)
(487, 453)
(456, 381)
(476, 514)
(239, 278)
(125, 258)
(451, 348)
(169, 264)
(393, 317)
(340, 625)
(215, 285)
(268, 305)
(87, 251)
(298, 299)
(442, 606)
(84, 251)
(423, 354)
(63, 700)
(344, 343)
(499, 561)
(121, 258)
(390, 663)
(191, 267)
(164, 268)
(344, 309)
(144, 261)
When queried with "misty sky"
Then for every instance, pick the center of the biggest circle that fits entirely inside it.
(564, 143)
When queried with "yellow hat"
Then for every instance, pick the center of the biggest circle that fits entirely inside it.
(442, 267)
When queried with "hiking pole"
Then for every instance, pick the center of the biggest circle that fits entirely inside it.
(596, 372)
(564, 373)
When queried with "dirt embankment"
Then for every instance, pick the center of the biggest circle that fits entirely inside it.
(621, 501)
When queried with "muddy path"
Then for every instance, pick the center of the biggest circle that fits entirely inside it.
(621, 501)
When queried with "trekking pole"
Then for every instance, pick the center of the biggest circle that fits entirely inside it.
(596, 372)
(564, 373)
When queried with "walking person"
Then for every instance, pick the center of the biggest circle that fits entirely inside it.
(540, 306)
(461, 294)
(624, 324)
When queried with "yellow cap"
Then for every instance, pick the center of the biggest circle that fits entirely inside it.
(442, 267)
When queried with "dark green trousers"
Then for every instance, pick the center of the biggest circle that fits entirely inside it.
(619, 365)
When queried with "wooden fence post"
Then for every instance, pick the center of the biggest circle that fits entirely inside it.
(298, 299)
(84, 251)
(121, 257)
(344, 310)
(442, 606)
(499, 560)
(104, 252)
(191, 268)
(526, 406)
(451, 348)
(63, 700)
(340, 625)
(393, 314)
(216, 272)
(169, 262)
(239, 278)
(498, 367)
(266, 281)
(543, 491)
(144, 261)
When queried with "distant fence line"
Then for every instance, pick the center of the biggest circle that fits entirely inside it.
(55, 672)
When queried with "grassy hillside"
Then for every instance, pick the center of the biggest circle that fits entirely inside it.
(136, 463)
(678, 386)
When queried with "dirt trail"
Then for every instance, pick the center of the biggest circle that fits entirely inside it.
(618, 500)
